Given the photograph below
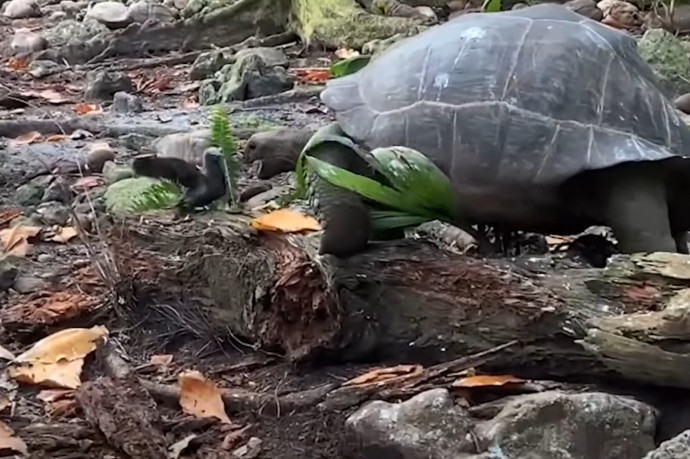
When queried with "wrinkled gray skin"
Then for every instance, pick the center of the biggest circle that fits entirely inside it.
(545, 121)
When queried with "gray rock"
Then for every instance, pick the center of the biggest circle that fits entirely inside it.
(73, 31)
(134, 141)
(44, 257)
(208, 92)
(29, 194)
(29, 284)
(253, 75)
(99, 154)
(269, 56)
(142, 11)
(42, 68)
(57, 16)
(677, 447)
(58, 191)
(102, 85)
(250, 450)
(114, 173)
(551, 424)
(54, 213)
(70, 7)
(112, 14)
(666, 55)
(206, 64)
(189, 146)
(25, 41)
(8, 273)
(124, 102)
(22, 9)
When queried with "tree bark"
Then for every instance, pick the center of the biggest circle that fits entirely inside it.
(410, 301)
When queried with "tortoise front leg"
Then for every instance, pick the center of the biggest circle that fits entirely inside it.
(343, 214)
(637, 210)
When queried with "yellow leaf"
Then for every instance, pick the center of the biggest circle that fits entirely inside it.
(162, 360)
(5, 354)
(383, 376)
(68, 344)
(83, 109)
(486, 380)
(200, 397)
(4, 402)
(15, 240)
(26, 139)
(286, 221)
(65, 373)
(52, 395)
(8, 441)
(56, 138)
(64, 235)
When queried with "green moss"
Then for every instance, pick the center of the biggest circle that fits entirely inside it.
(343, 23)
(668, 58)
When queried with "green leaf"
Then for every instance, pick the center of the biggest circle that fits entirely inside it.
(349, 66)
(223, 138)
(491, 6)
(383, 220)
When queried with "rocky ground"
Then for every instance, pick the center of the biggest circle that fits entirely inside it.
(77, 104)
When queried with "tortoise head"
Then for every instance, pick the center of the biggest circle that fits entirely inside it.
(276, 149)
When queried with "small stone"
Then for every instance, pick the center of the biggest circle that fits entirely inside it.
(69, 7)
(124, 102)
(29, 194)
(102, 85)
(114, 173)
(29, 284)
(99, 154)
(44, 257)
(53, 213)
(425, 12)
(57, 16)
(250, 450)
(113, 15)
(142, 11)
(8, 273)
(677, 447)
(22, 9)
(189, 146)
(58, 191)
(25, 41)
(84, 221)
(42, 68)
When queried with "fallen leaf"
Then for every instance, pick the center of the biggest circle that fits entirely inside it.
(8, 441)
(381, 376)
(286, 221)
(17, 63)
(200, 397)
(56, 138)
(28, 138)
(52, 96)
(5, 354)
(68, 344)
(53, 395)
(65, 374)
(64, 234)
(312, 75)
(233, 438)
(15, 240)
(8, 215)
(162, 360)
(346, 53)
(486, 380)
(84, 109)
(178, 447)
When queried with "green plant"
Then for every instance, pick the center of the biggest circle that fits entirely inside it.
(223, 138)
(157, 196)
(349, 66)
(491, 6)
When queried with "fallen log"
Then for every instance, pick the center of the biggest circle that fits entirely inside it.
(409, 301)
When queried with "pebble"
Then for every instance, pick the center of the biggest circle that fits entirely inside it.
(25, 41)
(99, 154)
(22, 9)
(124, 102)
(114, 15)
(29, 284)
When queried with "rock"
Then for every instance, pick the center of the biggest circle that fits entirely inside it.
(682, 103)
(73, 31)
(270, 56)
(206, 64)
(189, 146)
(99, 154)
(251, 76)
(57, 16)
(112, 14)
(113, 173)
(586, 8)
(44, 258)
(250, 450)
(142, 11)
(29, 284)
(677, 447)
(43, 68)
(542, 425)
(668, 58)
(425, 12)
(134, 141)
(84, 221)
(58, 191)
(70, 7)
(25, 41)
(208, 92)
(22, 9)
(29, 194)
(102, 85)
(124, 102)
(53, 213)
(8, 273)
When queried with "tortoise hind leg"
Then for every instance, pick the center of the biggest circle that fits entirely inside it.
(636, 209)
(344, 215)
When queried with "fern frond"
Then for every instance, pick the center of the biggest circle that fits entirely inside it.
(158, 196)
(223, 138)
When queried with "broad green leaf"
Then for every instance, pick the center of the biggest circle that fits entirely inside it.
(420, 181)
(491, 6)
(390, 219)
(349, 66)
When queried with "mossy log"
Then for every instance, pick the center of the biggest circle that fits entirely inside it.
(409, 301)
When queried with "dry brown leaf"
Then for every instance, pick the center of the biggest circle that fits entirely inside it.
(64, 234)
(312, 75)
(65, 374)
(8, 215)
(486, 380)
(86, 183)
(15, 241)
(16, 63)
(52, 96)
(162, 360)
(8, 441)
(286, 221)
(200, 397)
(386, 375)
(27, 138)
(84, 109)
(56, 138)
(5, 354)
(68, 344)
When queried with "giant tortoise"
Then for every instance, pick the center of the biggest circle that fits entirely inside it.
(544, 121)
